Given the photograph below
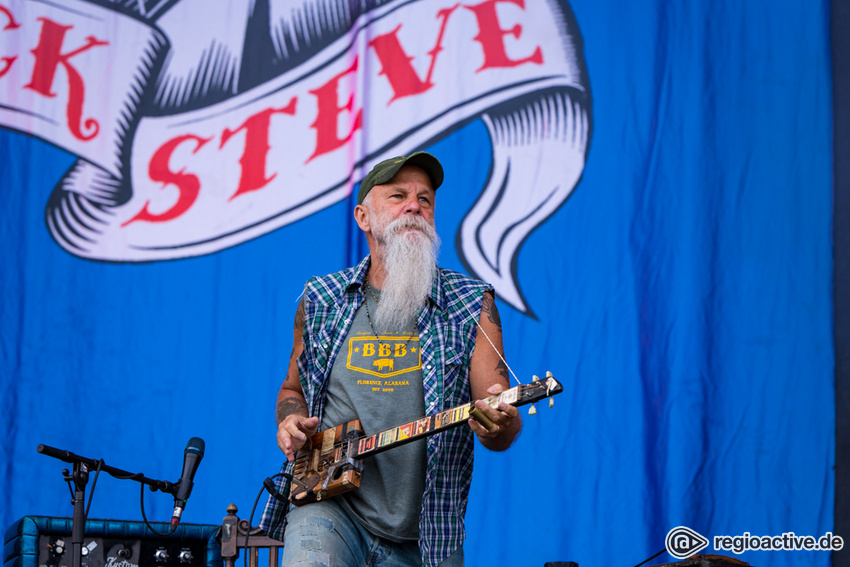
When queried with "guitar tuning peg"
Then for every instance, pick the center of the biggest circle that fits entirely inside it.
(549, 374)
(535, 378)
(532, 410)
(551, 402)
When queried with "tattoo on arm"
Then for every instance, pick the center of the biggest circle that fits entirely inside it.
(488, 307)
(299, 327)
(299, 317)
(290, 406)
(502, 370)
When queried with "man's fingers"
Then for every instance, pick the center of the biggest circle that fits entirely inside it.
(482, 431)
(285, 444)
(500, 417)
(496, 389)
(311, 424)
(493, 413)
(508, 409)
(300, 427)
(296, 433)
(293, 432)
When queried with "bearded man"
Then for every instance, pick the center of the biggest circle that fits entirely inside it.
(438, 335)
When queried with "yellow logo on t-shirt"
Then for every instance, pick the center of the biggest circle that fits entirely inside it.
(388, 355)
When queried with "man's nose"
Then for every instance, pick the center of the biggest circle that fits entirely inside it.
(412, 206)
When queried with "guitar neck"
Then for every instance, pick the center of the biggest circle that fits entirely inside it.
(431, 424)
(405, 433)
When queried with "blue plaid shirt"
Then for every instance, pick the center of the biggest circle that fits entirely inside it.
(447, 329)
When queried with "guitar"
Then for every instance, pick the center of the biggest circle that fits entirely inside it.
(330, 462)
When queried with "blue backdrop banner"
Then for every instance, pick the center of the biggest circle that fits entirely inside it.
(647, 185)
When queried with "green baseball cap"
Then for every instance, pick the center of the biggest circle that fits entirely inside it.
(387, 169)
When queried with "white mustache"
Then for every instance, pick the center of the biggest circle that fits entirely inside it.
(409, 221)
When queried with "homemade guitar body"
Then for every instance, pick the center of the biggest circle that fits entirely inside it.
(331, 461)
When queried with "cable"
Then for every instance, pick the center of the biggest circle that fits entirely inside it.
(68, 479)
(250, 523)
(268, 484)
(100, 463)
(145, 518)
(651, 558)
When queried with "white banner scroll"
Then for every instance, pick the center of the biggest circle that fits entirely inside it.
(187, 150)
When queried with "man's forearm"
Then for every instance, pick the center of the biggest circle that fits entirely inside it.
(290, 402)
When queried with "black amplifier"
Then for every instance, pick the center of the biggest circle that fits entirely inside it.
(40, 541)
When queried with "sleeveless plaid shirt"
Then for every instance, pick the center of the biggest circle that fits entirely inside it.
(447, 330)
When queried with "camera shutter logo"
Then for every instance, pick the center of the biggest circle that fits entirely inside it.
(682, 542)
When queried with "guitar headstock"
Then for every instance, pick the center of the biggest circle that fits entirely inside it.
(529, 393)
(540, 389)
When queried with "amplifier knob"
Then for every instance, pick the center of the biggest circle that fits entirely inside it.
(185, 556)
(161, 555)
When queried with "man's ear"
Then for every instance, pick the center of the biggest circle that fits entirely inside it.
(361, 215)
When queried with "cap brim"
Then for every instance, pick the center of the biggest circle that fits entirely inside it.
(387, 169)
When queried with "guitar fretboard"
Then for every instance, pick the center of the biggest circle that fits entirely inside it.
(428, 425)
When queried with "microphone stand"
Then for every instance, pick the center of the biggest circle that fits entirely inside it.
(80, 477)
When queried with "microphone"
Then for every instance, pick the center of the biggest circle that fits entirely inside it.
(191, 459)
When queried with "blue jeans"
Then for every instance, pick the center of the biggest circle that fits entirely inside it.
(322, 534)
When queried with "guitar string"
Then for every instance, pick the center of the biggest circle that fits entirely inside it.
(486, 336)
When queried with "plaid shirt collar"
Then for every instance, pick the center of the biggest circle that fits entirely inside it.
(358, 279)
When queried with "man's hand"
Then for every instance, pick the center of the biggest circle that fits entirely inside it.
(506, 423)
(293, 432)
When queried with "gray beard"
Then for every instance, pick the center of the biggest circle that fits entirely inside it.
(410, 260)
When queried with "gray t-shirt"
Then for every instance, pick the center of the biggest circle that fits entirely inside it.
(378, 380)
